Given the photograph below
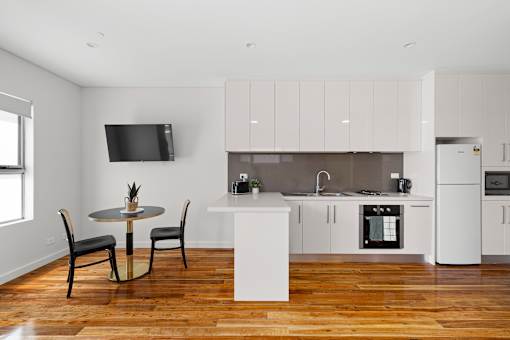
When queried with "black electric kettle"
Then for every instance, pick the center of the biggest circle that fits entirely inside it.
(404, 185)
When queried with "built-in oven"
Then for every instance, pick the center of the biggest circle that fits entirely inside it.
(381, 226)
(497, 183)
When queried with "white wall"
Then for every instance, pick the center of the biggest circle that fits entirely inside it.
(55, 166)
(198, 172)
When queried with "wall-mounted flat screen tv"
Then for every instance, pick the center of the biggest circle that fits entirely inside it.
(140, 142)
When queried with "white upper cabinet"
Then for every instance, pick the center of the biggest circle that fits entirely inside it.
(459, 105)
(447, 106)
(287, 116)
(318, 116)
(385, 115)
(361, 109)
(311, 126)
(237, 115)
(336, 114)
(471, 106)
(495, 150)
(409, 116)
(262, 117)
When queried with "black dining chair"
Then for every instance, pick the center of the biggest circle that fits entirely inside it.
(84, 247)
(170, 233)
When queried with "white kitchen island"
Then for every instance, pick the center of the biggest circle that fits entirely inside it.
(261, 245)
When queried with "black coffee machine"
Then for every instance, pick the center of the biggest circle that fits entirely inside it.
(404, 185)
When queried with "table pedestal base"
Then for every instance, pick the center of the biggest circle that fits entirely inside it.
(139, 269)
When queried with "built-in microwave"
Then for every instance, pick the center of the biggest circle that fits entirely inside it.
(497, 183)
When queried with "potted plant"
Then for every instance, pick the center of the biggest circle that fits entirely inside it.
(255, 185)
(132, 198)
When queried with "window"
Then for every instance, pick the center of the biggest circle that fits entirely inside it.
(12, 166)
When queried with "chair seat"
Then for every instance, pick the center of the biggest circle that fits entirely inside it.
(91, 245)
(166, 233)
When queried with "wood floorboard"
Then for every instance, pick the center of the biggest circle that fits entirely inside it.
(327, 300)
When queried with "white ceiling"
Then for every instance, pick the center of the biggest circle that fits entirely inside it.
(168, 42)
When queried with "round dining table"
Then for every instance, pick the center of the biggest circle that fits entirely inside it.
(132, 269)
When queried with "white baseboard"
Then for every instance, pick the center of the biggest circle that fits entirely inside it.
(27, 268)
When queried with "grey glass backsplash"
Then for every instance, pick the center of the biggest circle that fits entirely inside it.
(296, 172)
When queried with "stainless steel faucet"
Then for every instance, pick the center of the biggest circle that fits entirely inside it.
(318, 188)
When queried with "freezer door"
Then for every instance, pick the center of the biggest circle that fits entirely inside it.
(458, 164)
(458, 234)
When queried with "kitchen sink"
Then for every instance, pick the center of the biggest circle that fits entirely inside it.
(312, 194)
(303, 194)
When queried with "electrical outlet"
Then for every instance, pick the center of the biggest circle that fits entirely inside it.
(395, 175)
(50, 240)
(243, 177)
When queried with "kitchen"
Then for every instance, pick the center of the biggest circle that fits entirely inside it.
(365, 166)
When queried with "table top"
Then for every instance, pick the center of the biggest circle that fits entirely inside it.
(114, 215)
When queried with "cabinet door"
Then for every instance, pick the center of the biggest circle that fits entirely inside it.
(447, 106)
(471, 106)
(361, 109)
(409, 115)
(336, 113)
(262, 116)
(385, 116)
(287, 116)
(316, 227)
(494, 222)
(295, 227)
(237, 116)
(418, 228)
(494, 148)
(311, 105)
(345, 227)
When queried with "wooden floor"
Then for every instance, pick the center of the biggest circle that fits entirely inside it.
(327, 299)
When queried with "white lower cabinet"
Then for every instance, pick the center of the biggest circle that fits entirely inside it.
(316, 221)
(296, 227)
(345, 227)
(332, 227)
(418, 228)
(496, 228)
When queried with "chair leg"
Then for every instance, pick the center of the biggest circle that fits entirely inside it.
(68, 272)
(153, 245)
(113, 263)
(183, 253)
(71, 277)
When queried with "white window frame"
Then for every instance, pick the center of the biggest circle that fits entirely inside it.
(19, 168)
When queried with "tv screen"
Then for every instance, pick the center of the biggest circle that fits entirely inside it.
(140, 142)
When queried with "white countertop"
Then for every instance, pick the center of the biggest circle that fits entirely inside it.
(389, 196)
(262, 202)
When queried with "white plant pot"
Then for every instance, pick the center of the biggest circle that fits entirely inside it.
(255, 190)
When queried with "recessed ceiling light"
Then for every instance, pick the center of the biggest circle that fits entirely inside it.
(346, 121)
(251, 44)
(100, 35)
(409, 44)
(92, 44)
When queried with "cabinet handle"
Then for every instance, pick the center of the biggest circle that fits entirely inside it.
(299, 214)
(507, 158)
(503, 216)
(327, 215)
(504, 152)
(420, 206)
(334, 214)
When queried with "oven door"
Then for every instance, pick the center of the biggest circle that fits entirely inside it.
(381, 232)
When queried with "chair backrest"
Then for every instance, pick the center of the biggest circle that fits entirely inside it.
(68, 224)
(184, 214)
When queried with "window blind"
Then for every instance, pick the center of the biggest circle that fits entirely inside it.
(16, 105)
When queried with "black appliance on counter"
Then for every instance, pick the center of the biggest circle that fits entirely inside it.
(381, 226)
(240, 187)
(404, 185)
(497, 183)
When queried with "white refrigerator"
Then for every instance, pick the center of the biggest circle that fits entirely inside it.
(458, 226)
